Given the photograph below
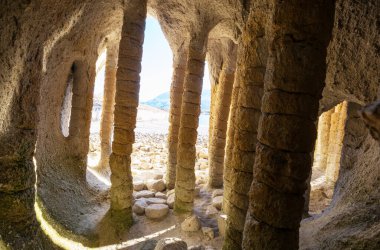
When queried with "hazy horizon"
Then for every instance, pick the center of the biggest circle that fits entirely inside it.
(156, 73)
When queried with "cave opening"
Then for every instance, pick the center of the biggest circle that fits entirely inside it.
(67, 103)
(327, 157)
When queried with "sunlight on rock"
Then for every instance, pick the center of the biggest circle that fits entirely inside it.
(68, 244)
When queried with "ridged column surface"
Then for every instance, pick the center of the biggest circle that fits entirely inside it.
(106, 121)
(321, 146)
(126, 103)
(335, 143)
(190, 111)
(251, 68)
(299, 33)
(217, 143)
(176, 91)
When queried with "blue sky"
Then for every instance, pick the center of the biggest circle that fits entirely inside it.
(156, 70)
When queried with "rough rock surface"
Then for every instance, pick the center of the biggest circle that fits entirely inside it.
(48, 53)
(156, 211)
(139, 207)
(171, 244)
(170, 200)
(138, 186)
(156, 185)
(191, 224)
(217, 202)
(144, 194)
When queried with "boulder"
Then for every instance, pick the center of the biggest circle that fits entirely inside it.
(170, 192)
(158, 176)
(139, 186)
(217, 192)
(143, 194)
(155, 201)
(156, 211)
(149, 245)
(171, 244)
(156, 185)
(217, 202)
(170, 200)
(139, 207)
(160, 195)
(191, 224)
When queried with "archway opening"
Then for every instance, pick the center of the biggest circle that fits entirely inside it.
(327, 157)
(67, 103)
(94, 153)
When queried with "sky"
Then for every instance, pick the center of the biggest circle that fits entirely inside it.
(156, 70)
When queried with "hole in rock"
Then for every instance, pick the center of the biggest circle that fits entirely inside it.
(327, 157)
(67, 103)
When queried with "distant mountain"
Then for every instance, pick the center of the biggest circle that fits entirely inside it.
(163, 101)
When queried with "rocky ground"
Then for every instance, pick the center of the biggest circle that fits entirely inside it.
(153, 203)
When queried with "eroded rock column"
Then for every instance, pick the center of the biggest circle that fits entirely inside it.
(190, 111)
(230, 135)
(108, 106)
(336, 136)
(221, 108)
(176, 91)
(299, 33)
(126, 102)
(321, 147)
(84, 73)
(251, 68)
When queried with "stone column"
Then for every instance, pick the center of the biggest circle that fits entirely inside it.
(219, 127)
(176, 91)
(251, 69)
(84, 73)
(299, 32)
(106, 121)
(126, 103)
(335, 145)
(19, 228)
(231, 134)
(321, 147)
(190, 111)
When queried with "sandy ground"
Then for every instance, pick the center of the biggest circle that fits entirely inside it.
(149, 159)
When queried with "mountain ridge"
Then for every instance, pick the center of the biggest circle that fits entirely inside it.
(162, 101)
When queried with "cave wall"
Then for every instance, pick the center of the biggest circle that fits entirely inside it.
(352, 220)
(41, 39)
(353, 55)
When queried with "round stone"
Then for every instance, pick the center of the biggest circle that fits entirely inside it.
(139, 207)
(171, 244)
(170, 200)
(156, 185)
(217, 202)
(144, 194)
(155, 201)
(217, 192)
(138, 186)
(156, 211)
(191, 224)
